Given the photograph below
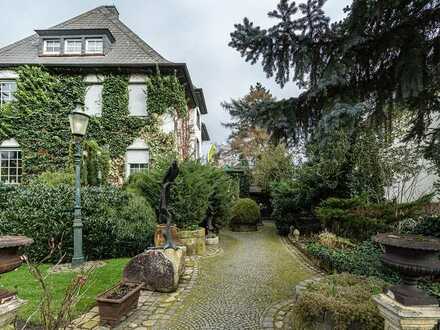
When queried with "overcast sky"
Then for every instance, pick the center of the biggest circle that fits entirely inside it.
(191, 31)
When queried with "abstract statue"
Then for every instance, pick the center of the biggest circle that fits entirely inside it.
(164, 214)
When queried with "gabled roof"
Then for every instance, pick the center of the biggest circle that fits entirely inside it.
(128, 48)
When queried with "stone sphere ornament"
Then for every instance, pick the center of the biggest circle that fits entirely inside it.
(413, 257)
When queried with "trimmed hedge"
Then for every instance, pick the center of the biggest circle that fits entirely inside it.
(116, 223)
(245, 212)
(357, 219)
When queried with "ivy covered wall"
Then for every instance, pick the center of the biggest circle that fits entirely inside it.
(38, 118)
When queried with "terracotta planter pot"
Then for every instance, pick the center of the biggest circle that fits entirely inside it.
(112, 310)
(194, 240)
(159, 238)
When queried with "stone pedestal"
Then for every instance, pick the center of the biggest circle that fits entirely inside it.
(158, 269)
(212, 240)
(400, 317)
(194, 240)
(8, 313)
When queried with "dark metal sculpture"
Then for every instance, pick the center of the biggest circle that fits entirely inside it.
(164, 214)
(413, 257)
(211, 229)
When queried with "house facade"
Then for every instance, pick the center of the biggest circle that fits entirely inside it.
(95, 44)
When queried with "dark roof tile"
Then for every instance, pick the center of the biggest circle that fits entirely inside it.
(127, 49)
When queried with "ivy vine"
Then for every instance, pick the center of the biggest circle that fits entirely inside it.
(115, 128)
(166, 95)
(38, 118)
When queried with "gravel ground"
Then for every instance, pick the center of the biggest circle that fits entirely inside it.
(234, 289)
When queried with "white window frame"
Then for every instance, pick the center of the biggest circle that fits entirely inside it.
(137, 168)
(88, 51)
(137, 100)
(10, 91)
(46, 52)
(76, 52)
(137, 155)
(19, 168)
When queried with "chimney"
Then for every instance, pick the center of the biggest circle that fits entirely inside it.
(112, 11)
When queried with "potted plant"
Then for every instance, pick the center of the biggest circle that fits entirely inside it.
(159, 237)
(245, 215)
(117, 301)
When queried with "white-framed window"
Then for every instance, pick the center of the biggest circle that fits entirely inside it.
(94, 46)
(72, 46)
(7, 89)
(10, 166)
(52, 47)
(137, 100)
(137, 157)
(93, 100)
(139, 167)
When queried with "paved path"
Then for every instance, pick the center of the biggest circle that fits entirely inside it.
(235, 288)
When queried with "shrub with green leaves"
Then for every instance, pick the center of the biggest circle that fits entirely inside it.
(245, 212)
(273, 165)
(116, 223)
(292, 201)
(428, 226)
(363, 260)
(358, 219)
(344, 300)
(54, 178)
(198, 189)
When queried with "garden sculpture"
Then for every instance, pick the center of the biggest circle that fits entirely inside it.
(164, 214)
(210, 227)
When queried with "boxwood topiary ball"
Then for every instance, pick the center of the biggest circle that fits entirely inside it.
(245, 212)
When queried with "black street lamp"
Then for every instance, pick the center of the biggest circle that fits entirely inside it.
(78, 126)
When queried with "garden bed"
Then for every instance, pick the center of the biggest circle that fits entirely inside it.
(28, 289)
(341, 302)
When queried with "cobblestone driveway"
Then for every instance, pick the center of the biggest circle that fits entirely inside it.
(234, 288)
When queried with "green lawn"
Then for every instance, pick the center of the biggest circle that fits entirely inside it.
(27, 288)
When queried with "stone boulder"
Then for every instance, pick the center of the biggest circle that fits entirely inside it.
(158, 269)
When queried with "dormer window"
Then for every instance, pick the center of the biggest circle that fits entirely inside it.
(76, 42)
(73, 46)
(52, 47)
(94, 46)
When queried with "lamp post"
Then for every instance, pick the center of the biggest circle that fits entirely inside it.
(78, 125)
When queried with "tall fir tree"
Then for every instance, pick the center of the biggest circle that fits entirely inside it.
(383, 55)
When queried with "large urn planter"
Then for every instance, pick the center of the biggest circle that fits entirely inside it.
(194, 240)
(10, 259)
(9, 252)
(159, 238)
(413, 257)
(117, 302)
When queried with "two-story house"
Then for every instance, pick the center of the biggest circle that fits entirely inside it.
(94, 43)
